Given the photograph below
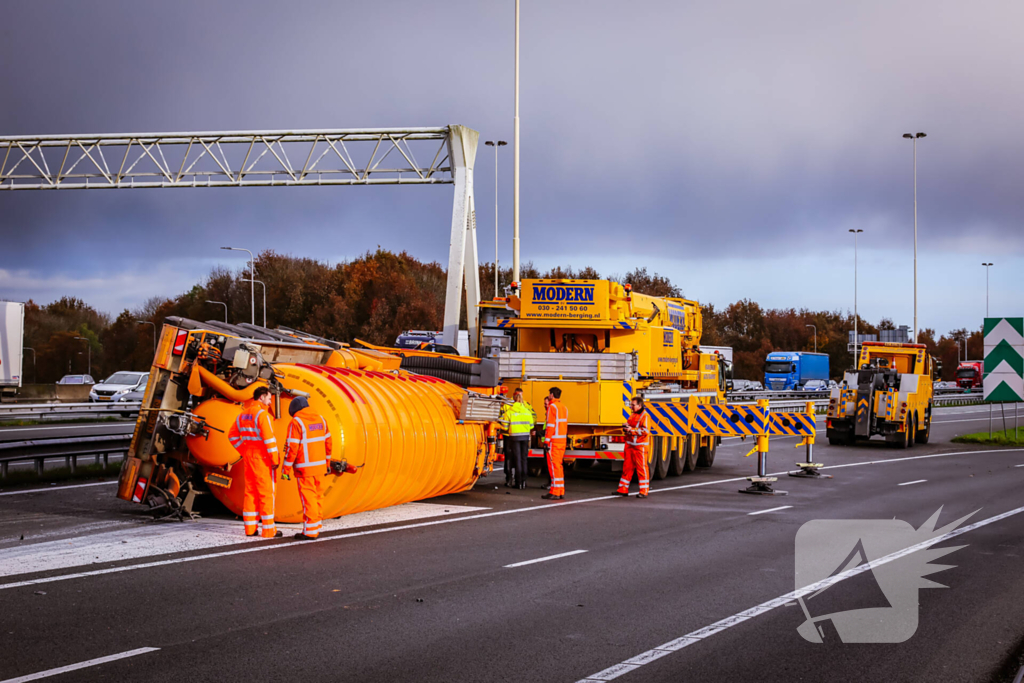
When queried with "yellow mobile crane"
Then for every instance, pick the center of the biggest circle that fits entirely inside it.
(602, 344)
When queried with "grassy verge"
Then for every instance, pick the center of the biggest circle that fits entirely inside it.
(998, 438)
(70, 420)
(28, 476)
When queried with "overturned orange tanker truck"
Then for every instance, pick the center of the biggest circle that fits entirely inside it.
(415, 427)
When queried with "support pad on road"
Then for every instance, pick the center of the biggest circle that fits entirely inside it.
(762, 486)
(810, 470)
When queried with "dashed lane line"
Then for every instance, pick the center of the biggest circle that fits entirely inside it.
(541, 559)
(761, 512)
(916, 481)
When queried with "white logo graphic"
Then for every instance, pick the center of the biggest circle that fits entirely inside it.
(890, 550)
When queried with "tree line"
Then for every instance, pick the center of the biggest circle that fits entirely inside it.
(381, 294)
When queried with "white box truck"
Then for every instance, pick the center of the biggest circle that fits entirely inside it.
(12, 336)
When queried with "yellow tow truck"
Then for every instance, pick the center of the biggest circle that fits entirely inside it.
(889, 393)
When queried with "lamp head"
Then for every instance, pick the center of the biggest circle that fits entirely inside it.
(908, 136)
(489, 143)
(920, 135)
(501, 143)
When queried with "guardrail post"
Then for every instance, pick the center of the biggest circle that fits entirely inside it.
(106, 460)
(74, 463)
(39, 467)
(3, 469)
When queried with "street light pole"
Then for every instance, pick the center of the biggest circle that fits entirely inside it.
(915, 138)
(495, 145)
(264, 285)
(515, 164)
(222, 304)
(252, 276)
(815, 336)
(89, 347)
(146, 322)
(856, 337)
(987, 266)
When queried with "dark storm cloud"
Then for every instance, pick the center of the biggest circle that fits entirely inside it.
(706, 129)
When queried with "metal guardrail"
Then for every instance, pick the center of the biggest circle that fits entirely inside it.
(957, 400)
(69, 449)
(14, 411)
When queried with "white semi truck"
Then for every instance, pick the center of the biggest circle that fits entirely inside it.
(12, 335)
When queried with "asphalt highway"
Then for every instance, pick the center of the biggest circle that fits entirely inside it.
(499, 585)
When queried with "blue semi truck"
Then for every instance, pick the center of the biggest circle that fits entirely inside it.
(791, 370)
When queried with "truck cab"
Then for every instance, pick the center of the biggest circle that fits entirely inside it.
(969, 374)
(790, 371)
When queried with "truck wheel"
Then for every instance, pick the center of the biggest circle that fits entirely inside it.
(706, 454)
(677, 459)
(922, 435)
(690, 447)
(904, 438)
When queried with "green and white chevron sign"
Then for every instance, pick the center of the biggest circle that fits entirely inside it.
(1004, 360)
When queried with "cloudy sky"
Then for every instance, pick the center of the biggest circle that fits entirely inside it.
(729, 145)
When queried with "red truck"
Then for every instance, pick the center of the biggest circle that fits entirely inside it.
(969, 374)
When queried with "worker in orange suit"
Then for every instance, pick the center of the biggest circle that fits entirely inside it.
(252, 435)
(635, 456)
(555, 432)
(308, 454)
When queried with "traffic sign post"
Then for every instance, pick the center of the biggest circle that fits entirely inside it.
(1004, 365)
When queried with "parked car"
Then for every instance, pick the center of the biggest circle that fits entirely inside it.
(76, 379)
(832, 384)
(117, 385)
(755, 386)
(740, 385)
(815, 385)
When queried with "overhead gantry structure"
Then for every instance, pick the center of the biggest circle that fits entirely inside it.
(278, 158)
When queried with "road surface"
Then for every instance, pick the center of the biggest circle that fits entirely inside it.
(499, 585)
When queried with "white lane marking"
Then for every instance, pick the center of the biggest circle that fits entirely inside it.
(549, 506)
(144, 541)
(634, 663)
(57, 488)
(761, 512)
(539, 559)
(1018, 465)
(916, 481)
(80, 665)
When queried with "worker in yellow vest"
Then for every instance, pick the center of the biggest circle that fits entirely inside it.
(517, 420)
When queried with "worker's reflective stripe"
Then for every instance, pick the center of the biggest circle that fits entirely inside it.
(302, 465)
(293, 441)
(272, 450)
(249, 514)
(316, 439)
(266, 517)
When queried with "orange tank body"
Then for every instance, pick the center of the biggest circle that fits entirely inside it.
(403, 428)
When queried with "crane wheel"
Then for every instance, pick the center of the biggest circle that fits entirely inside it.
(690, 445)
(659, 457)
(677, 458)
(706, 454)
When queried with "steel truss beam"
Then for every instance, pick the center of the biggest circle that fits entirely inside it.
(373, 156)
(275, 158)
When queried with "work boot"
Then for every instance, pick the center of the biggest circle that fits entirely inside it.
(621, 493)
(641, 495)
(523, 485)
(551, 496)
(304, 537)
(509, 484)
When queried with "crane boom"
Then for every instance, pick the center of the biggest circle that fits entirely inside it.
(272, 158)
